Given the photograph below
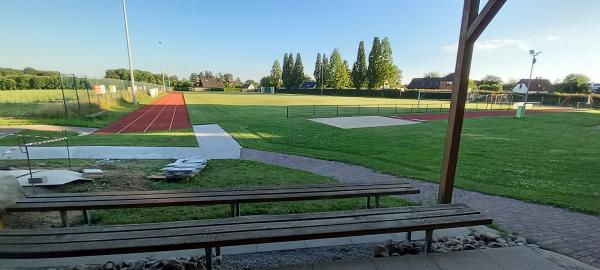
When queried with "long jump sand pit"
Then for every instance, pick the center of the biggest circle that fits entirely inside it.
(362, 121)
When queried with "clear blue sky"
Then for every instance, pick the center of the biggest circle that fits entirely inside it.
(244, 37)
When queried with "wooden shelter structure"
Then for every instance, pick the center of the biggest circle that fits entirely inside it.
(472, 25)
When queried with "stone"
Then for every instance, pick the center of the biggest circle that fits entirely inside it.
(380, 251)
(521, 240)
(217, 260)
(139, 265)
(395, 254)
(10, 191)
(468, 247)
(452, 242)
(108, 266)
(493, 245)
(457, 248)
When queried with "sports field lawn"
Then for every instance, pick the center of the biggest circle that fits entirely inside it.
(550, 158)
(130, 175)
(183, 137)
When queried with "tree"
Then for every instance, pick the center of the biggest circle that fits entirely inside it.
(339, 73)
(326, 71)
(575, 83)
(432, 74)
(276, 74)
(359, 69)
(391, 73)
(318, 69)
(298, 73)
(266, 81)
(374, 72)
(490, 82)
(288, 70)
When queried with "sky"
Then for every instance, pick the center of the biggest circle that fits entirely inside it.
(242, 37)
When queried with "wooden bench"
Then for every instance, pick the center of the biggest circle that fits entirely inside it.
(209, 234)
(94, 115)
(64, 202)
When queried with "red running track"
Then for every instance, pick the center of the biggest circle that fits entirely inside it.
(166, 113)
(442, 116)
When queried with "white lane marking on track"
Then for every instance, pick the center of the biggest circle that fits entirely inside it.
(130, 123)
(173, 117)
(159, 113)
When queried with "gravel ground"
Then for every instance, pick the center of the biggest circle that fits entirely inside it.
(275, 259)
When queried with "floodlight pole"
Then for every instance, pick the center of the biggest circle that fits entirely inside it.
(322, 86)
(533, 60)
(162, 56)
(134, 98)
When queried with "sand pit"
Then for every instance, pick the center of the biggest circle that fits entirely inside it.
(362, 121)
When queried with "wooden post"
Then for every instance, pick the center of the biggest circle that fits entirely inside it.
(472, 26)
(64, 218)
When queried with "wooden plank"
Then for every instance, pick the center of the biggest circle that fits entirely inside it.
(184, 193)
(114, 204)
(457, 103)
(238, 220)
(227, 238)
(243, 228)
(145, 192)
(484, 18)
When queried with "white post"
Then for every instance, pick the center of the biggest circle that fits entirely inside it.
(129, 55)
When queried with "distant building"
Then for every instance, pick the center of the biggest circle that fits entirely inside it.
(595, 88)
(537, 86)
(205, 84)
(443, 83)
(248, 87)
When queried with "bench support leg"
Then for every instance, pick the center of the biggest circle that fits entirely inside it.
(208, 258)
(87, 217)
(237, 209)
(377, 202)
(368, 202)
(428, 241)
(232, 210)
(408, 236)
(64, 218)
(218, 251)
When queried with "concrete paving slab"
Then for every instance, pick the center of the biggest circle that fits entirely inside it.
(523, 258)
(362, 265)
(405, 262)
(464, 260)
(216, 143)
(362, 121)
(53, 177)
(107, 152)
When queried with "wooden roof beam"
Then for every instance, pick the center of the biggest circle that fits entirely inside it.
(484, 18)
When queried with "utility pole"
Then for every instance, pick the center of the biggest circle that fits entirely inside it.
(129, 55)
(162, 68)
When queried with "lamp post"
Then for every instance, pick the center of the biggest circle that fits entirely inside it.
(533, 54)
(129, 55)
(162, 65)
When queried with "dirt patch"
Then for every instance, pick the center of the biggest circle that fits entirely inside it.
(118, 176)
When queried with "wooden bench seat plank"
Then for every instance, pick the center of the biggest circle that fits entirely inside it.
(232, 227)
(227, 189)
(238, 220)
(184, 193)
(234, 238)
(50, 206)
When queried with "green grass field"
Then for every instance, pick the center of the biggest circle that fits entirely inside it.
(546, 158)
(21, 107)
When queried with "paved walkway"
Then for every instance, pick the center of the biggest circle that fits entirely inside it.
(214, 143)
(17, 128)
(574, 234)
(522, 258)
